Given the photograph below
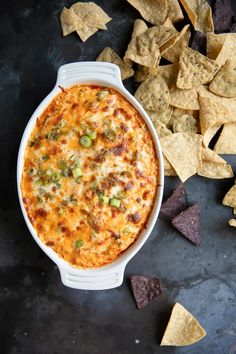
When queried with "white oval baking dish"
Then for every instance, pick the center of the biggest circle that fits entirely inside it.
(109, 276)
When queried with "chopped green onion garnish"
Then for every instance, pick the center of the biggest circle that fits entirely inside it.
(103, 199)
(31, 172)
(62, 164)
(56, 177)
(45, 157)
(85, 141)
(79, 243)
(126, 230)
(77, 172)
(92, 135)
(102, 94)
(110, 134)
(115, 202)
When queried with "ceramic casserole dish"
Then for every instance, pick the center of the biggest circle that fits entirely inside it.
(111, 275)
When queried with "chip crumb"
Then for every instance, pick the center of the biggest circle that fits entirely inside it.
(232, 222)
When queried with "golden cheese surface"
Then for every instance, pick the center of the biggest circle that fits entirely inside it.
(90, 175)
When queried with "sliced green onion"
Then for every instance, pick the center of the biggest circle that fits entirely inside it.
(110, 134)
(45, 157)
(79, 243)
(77, 172)
(56, 177)
(115, 202)
(103, 199)
(102, 94)
(62, 164)
(126, 230)
(31, 172)
(85, 141)
(92, 135)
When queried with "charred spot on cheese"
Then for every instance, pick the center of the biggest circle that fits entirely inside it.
(82, 198)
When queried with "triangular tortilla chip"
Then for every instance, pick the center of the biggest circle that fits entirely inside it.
(68, 21)
(168, 168)
(161, 129)
(224, 83)
(186, 123)
(143, 73)
(226, 144)
(200, 14)
(152, 11)
(169, 73)
(162, 117)
(174, 11)
(145, 289)
(195, 69)
(230, 197)
(153, 94)
(221, 47)
(232, 222)
(172, 54)
(108, 55)
(183, 151)
(179, 112)
(174, 204)
(185, 99)
(188, 223)
(215, 170)
(223, 16)
(210, 156)
(183, 328)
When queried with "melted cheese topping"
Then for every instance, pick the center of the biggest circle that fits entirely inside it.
(89, 203)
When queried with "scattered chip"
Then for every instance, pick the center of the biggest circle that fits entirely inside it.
(232, 222)
(186, 123)
(221, 47)
(174, 204)
(173, 53)
(188, 223)
(145, 289)
(143, 73)
(200, 14)
(108, 55)
(195, 69)
(230, 197)
(169, 73)
(224, 83)
(199, 42)
(223, 16)
(185, 99)
(162, 117)
(215, 170)
(183, 328)
(68, 21)
(183, 151)
(211, 156)
(226, 144)
(152, 11)
(153, 94)
(174, 11)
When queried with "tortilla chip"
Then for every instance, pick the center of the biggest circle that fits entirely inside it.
(230, 197)
(215, 43)
(200, 14)
(182, 329)
(179, 112)
(68, 21)
(174, 204)
(188, 223)
(234, 211)
(161, 129)
(162, 117)
(153, 94)
(232, 222)
(169, 73)
(185, 99)
(224, 83)
(195, 69)
(143, 73)
(168, 23)
(210, 156)
(223, 16)
(199, 42)
(183, 151)
(226, 144)
(186, 123)
(108, 55)
(168, 168)
(174, 11)
(152, 11)
(215, 170)
(145, 289)
(233, 28)
(172, 54)
(221, 47)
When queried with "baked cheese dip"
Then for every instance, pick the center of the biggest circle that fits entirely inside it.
(90, 175)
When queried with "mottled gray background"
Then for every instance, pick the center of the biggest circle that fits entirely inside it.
(37, 313)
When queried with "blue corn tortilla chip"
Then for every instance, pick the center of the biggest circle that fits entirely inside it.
(223, 16)
(174, 204)
(199, 42)
(145, 289)
(188, 223)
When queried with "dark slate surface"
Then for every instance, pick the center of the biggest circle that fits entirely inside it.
(37, 313)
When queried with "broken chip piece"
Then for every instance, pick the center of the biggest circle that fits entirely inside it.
(174, 204)
(224, 83)
(226, 143)
(145, 289)
(152, 11)
(230, 197)
(232, 222)
(188, 223)
(183, 328)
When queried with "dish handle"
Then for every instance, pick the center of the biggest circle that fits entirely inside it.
(96, 279)
(92, 72)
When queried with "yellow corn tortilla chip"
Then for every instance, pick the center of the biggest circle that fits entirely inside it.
(232, 222)
(186, 123)
(210, 156)
(161, 129)
(153, 94)
(215, 170)
(183, 151)
(173, 54)
(185, 99)
(226, 144)
(215, 43)
(224, 83)
(68, 21)
(221, 47)
(108, 55)
(210, 133)
(168, 168)
(139, 28)
(234, 211)
(182, 329)
(168, 23)
(179, 112)
(169, 73)
(230, 197)
(162, 117)
(200, 14)
(152, 11)
(174, 11)
(143, 73)
(195, 69)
